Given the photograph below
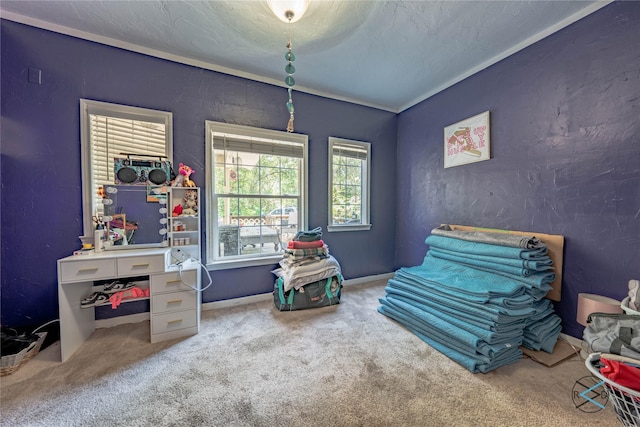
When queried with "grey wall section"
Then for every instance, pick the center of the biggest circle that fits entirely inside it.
(565, 142)
(41, 188)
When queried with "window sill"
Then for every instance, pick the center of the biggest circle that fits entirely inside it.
(353, 227)
(242, 263)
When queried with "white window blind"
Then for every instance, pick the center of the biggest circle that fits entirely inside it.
(349, 150)
(113, 137)
(254, 145)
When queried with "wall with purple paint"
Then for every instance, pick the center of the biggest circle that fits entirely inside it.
(41, 189)
(565, 148)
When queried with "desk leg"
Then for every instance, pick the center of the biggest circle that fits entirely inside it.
(76, 324)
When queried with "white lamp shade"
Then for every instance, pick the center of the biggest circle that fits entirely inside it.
(281, 7)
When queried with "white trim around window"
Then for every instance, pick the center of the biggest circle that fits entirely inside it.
(250, 203)
(349, 185)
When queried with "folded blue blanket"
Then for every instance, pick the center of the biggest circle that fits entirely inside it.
(487, 316)
(509, 336)
(537, 284)
(513, 305)
(545, 343)
(473, 362)
(475, 248)
(508, 265)
(447, 333)
(475, 284)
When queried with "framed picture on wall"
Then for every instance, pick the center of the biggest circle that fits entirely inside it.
(467, 141)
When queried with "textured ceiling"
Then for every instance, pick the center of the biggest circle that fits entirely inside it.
(385, 54)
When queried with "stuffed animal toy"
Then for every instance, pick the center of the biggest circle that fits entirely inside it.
(177, 210)
(177, 181)
(183, 177)
(102, 192)
(186, 172)
(190, 202)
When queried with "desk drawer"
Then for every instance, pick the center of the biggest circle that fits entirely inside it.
(173, 301)
(87, 270)
(170, 282)
(140, 265)
(173, 321)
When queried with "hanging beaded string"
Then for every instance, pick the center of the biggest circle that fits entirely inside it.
(290, 69)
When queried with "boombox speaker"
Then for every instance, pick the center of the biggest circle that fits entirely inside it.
(141, 172)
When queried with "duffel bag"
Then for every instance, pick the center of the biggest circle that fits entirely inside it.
(312, 295)
(613, 333)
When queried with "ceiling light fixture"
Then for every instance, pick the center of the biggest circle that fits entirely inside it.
(289, 11)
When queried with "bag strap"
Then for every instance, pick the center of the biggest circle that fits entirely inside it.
(623, 338)
(279, 283)
(327, 288)
(290, 298)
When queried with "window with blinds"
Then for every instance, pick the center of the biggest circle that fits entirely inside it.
(349, 171)
(109, 131)
(258, 179)
(113, 137)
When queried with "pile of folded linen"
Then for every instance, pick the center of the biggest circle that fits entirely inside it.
(477, 297)
(306, 262)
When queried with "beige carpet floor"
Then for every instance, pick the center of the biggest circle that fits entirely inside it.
(252, 365)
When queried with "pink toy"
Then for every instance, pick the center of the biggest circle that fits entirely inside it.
(183, 177)
(186, 172)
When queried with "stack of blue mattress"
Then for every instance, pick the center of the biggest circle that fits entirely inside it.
(477, 297)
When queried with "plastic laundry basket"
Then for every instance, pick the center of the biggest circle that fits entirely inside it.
(626, 401)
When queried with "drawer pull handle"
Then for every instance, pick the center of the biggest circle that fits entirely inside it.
(174, 321)
(174, 301)
(172, 282)
(88, 270)
(140, 265)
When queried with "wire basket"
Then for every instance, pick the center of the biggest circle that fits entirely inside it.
(625, 307)
(626, 401)
(12, 362)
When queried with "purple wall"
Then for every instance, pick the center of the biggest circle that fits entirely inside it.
(565, 142)
(565, 130)
(41, 190)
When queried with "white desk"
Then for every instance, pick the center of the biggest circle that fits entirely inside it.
(175, 307)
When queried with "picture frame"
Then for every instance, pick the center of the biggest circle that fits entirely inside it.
(467, 141)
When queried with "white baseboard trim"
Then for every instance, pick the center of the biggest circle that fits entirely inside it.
(141, 317)
(233, 302)
(269, 296)
(368, 279)
(576, 342)
(121, 320)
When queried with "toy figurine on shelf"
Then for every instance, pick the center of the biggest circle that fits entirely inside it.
(183, 178)
(190, 203)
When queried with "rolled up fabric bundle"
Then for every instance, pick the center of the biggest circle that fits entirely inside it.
(502, 239)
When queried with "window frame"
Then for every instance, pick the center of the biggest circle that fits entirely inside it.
(90, 107)
(211, 212)
(365, 184)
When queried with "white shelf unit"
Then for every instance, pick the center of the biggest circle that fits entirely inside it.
(184, 229)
